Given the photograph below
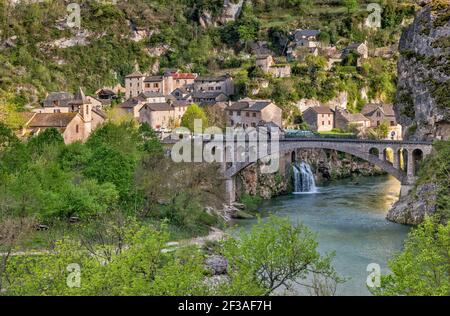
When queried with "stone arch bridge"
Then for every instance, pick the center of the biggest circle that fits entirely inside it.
(398, 158)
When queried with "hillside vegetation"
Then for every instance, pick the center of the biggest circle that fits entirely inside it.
(38, 52)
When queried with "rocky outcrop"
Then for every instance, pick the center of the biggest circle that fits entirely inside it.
(216, 264)
(251, 181)
(423, 94)
(412, 209)
(340, 101)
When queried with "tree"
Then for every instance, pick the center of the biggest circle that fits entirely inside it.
(13, 230)
(423, 268)
(351, 5)
(194, 112)
(275, 255)
(140, 266)
(7, 137)
(379, 132)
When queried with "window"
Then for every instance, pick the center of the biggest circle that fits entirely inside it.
(57, 111)
(247, 114)
(253, 124)
(392, 123)
(378, 123)
(231, 122)
(378, 114)
(211, 88)
(77, 129)
(323, 123)
(329, 122)
(147, 85)
(254, 114)
(231, 113)
(155, 85)
(219, 88)
(238, 113)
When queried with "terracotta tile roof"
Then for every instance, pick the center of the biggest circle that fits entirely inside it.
(184, 76)
(52, 119)
(26, 116)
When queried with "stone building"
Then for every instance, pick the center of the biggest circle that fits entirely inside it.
(379, 113)
(209, 97)
(360, 49)
(137, 82)
(319, 119)
(133, 105)
(305, 43)
(76, 119)
(251, 113)
(223, 84)
(269, 66)
(163, 116)
(344, 119)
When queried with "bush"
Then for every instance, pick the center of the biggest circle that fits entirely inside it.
(251, 202)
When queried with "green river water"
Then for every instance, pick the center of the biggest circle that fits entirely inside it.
(349, 218)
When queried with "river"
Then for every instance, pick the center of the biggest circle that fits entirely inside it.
(348, 217)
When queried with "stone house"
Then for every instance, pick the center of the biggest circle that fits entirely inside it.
(305, 42)
(379, 113)
(137, 82)
(251, 113)
(208, 98)
(133, 105)
(319, 119)
(162, 116)
(57, 99)
(360, 49)
(223, 84)
(269, 66)
(76, 123)
(344, 119)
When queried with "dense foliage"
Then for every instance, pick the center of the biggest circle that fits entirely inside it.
(423, 268)
(121, 167)
(122, 257)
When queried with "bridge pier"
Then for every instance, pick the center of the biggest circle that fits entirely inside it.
(230, 190)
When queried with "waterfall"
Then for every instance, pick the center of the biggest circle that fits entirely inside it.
(304, 181)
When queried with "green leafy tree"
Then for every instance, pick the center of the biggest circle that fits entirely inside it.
(275, 255)
(351, 5)
(194, 112)
(423, 268)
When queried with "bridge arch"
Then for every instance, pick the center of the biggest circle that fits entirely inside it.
(417, 156)
(291, 147)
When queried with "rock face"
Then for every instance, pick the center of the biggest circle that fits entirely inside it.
(423, 97)
(252, 181)
(412, 209)
(423, 92)
(327, 165)
(332, 165)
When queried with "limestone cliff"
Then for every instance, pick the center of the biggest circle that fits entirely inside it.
(423, 98)
(423, 92)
